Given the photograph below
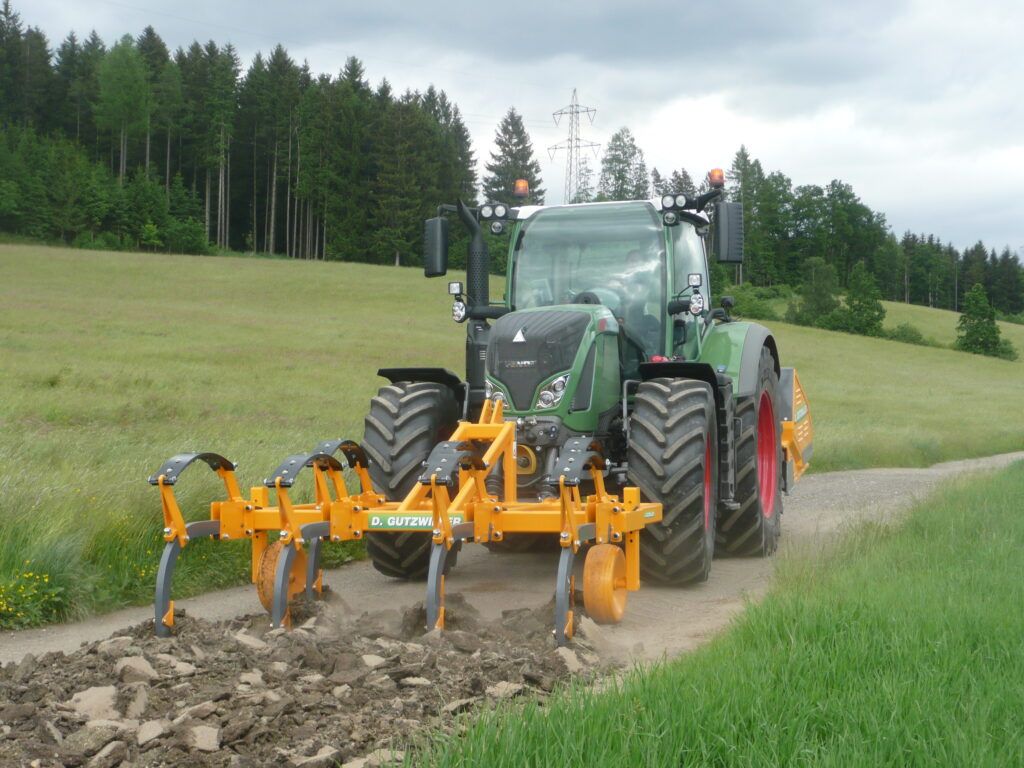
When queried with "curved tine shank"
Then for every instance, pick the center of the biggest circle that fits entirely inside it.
(165, 573)
(564, 597)
(313, 534)
(279, 606)
(435, 586)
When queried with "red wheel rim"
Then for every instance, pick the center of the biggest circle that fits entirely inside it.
(767, 455)
(707, 482)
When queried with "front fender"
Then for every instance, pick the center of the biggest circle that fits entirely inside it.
(735, 349)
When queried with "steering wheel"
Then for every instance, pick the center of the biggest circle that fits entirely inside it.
(586, 297)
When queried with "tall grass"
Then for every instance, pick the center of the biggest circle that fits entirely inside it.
(111, 362)
(905, 647)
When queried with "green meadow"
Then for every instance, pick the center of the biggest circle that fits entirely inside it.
(111, 362)
(901, 647)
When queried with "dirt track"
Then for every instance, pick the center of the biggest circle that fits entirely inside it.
(663, 620)
(354, 689)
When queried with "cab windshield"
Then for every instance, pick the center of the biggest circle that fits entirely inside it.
(612, 254)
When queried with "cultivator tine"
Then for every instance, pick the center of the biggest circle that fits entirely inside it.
(565, 597)
(279, 607)
(163, 618)
(439, 553)
(177, 533)
(435, 586)
(313, 535)
(565, 585)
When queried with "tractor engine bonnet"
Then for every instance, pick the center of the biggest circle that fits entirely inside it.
(526, 348)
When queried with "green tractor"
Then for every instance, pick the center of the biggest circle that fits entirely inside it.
(607, 331)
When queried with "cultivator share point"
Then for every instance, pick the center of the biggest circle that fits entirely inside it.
(608, 408)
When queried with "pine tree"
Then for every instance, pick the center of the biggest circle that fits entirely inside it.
(124, 96)
(863, 313)
(681, 181)
(168, 104)
(513, 160)
(585, 189)
(659, 185)
(38, 84)
(623, 170)
(977, 330)
(12, 100)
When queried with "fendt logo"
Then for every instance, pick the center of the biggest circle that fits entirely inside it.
(519, 338)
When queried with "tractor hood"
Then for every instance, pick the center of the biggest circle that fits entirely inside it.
(546, 349)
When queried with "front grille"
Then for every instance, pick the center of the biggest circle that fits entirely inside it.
(548, 342)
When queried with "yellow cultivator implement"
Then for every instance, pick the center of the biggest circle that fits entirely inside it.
(450, 501)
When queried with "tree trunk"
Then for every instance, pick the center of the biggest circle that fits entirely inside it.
(288, 201)
(255, 224)
(120, 164)
(206, 205)
(227, 199)
(272, 241)
(167, 164)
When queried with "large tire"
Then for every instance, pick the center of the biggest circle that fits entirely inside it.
(754, 528)
(405, 422)
(673, 459)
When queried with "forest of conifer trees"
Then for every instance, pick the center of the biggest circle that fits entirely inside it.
(130, 145)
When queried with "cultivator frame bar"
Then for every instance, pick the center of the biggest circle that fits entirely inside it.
(451, 492)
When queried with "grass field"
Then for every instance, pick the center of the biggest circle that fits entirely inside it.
(939, 325)
(112, 362)
(902, 648)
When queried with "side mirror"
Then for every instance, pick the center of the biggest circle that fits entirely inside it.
(679, 306)
(435, 247)
(727, 237)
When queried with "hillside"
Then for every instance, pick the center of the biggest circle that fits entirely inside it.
(115, 361)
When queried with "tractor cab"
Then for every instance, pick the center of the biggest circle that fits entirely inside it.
(618, 255)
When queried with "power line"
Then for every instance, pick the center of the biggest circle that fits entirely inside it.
(573, 144)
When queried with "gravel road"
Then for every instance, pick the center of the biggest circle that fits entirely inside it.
(659, 621)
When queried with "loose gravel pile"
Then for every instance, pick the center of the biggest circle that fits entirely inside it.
(329, 692)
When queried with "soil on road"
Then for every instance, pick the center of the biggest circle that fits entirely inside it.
(357, 688)
(659, 620)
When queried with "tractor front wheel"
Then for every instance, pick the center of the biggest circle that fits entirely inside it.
(673, 459)
(753, 529)
(405, 422)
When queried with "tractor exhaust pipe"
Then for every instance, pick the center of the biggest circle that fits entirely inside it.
(478, 294)
(478, 262)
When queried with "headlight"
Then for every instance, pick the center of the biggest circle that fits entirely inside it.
(458, 311)
(680, 201)
(497, 227)
(486, 212)
(500, 211)
(667, 201)
(696, 304)
(552, 394)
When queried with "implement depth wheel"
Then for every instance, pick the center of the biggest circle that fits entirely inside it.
(604, 584)
(268, 567)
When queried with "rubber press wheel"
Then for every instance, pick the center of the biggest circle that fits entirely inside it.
(604, 584)
(268, 567)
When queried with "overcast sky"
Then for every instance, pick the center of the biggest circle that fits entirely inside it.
(918, 105)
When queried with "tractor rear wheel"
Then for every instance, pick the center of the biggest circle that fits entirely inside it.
(405, 422)
(754, 528)
(673, 459)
